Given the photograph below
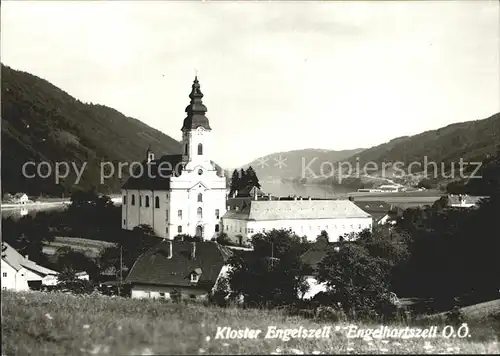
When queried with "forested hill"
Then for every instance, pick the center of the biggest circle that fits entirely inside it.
(473, 141)
(41, 122)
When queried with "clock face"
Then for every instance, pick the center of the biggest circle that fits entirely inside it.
(200, 172)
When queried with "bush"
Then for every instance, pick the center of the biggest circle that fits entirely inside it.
(330, 313)
(175, 295)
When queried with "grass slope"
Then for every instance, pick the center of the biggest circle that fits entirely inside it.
(59, 324)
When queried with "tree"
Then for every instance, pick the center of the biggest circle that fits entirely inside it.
(67, 281)
(234, 185)
(322, 238)
(251, 178)
(68, 258)
(242, 180)
(273, 273)
(357, 280)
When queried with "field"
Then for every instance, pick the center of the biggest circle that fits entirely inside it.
(61, 324)
(92, 248)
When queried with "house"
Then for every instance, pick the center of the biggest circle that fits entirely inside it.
(381, 212)
(19, 273)
(188, 269)
(302, 217)
(183, 193)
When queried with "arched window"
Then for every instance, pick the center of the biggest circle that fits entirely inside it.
(216, 227)
(200, 198)
(186, 149)
(157, 202)
(146, 203)
(133, 199)
(124, 200)
(217, 214)
(200, 149)
(200, 213)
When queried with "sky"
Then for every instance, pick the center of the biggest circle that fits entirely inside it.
(277, 76)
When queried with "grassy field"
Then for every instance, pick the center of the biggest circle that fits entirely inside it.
(59, 324)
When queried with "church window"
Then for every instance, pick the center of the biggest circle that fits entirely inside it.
(157, 202)
(186, 149)
(124, 200)
(140, 200)
(217, 214)
(146, 203)
(179, 229)
(166, 214)
(359, 227)
(200, 198)
(179, 214)
(166, 230)
(133, 199)
(200, 213)
(124, 222)
(200, 149)
(216, 227)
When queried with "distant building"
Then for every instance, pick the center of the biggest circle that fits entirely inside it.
(189, 269)
(302, 217)
(381, 212)
(18, 198)
(179, 194)
(19, 273)
(390, 188)
(84, 276)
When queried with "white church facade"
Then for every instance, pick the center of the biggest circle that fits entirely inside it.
(179, 194)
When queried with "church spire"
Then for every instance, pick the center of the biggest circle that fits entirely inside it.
(196, 110)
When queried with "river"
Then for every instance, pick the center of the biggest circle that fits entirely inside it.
(279, 188)
(33, 209)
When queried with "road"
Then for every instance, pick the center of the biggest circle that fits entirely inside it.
(49, 204)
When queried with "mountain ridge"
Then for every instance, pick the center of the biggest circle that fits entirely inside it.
(43, 123)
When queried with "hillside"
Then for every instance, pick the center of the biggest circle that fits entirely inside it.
(294, 161)
(41, 122)
(472, 141)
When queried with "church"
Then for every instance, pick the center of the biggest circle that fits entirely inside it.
(182, 193)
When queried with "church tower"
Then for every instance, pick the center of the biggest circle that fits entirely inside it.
(196, 132)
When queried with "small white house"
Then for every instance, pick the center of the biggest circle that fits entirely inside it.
(84, 276)
(18, 272)
(20, 198)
